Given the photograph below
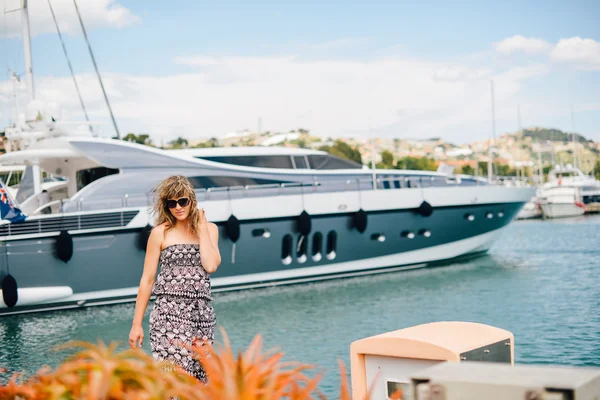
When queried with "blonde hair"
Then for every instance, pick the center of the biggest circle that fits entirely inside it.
(171, 188)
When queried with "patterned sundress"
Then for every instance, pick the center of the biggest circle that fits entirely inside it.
(183, 311)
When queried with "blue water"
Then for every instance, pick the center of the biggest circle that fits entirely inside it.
(541, 282)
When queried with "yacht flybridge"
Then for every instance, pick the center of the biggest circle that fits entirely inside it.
(75, 232)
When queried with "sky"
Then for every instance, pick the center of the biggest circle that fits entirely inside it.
(395, 68)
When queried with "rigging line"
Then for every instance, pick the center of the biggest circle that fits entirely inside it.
(70, 66)
(5, 26)
(97, 72)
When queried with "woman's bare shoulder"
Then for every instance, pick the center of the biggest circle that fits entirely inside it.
(161, 228)
(213, 227)
(158, 233)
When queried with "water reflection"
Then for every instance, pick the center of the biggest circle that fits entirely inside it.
(539, 283)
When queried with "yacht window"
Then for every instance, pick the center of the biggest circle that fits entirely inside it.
(11, 178)
(318, 161)
(300, 162)
(331, 244)
(286, 249)
(396, 184)
(276, 161)
(263, 232)
(317, 243)
(25, 185)
(225, 181)
(301, 248)
(86, 176)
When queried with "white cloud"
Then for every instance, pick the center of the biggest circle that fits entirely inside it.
(581, 52)
(584, 53)
(588, 107)
(519, 43)
(462, 73)
(230, 93)
(97, 13)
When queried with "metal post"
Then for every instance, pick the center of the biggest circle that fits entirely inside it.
(97, 72)
(575, 142)
(490, 163)
(27, 49)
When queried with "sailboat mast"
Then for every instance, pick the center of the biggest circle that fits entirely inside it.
(490, 162)
(519, 139)
(27, 48)
(573, 139)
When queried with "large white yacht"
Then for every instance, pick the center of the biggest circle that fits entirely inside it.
(569, 193)
(284, 216)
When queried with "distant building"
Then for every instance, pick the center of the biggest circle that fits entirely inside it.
(459, 152)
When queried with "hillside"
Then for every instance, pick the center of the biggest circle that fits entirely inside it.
(553, 135)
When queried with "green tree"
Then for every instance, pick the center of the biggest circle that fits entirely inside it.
(387, 159)
(179, 143)
(212, 142)
(300, 143)
(140, 139)
(343, 150)
(505, 170)
(416, 163)
(597, 169)
(467, 170)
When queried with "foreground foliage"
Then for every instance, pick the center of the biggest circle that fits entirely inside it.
(100, 372)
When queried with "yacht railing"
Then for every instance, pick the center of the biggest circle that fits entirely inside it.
(53, 223)
(391, 182)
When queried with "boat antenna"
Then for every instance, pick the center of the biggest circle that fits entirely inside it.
(490, 162)
(372, 145)
(26, 36)
(573, 138)
(27, 46)
(70, 66)
(97, 72)
(520, 141)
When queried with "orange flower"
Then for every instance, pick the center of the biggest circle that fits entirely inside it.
(99, 372)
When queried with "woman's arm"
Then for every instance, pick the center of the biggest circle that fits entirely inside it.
(209, 244)
(136, 336)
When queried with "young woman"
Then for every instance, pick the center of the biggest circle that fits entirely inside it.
(185, 244)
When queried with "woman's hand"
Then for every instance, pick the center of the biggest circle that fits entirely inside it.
(136, 335)
(202, 218)
(208, 233)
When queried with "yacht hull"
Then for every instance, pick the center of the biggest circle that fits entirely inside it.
(106, 265)
(562, 210)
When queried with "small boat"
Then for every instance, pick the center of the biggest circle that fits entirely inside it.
(531, 210)
(561, 202)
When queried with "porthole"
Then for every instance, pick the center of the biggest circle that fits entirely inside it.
(331, 245)
(500, 214)
(425, 232)
(469, 217)
(408, 234)
(380, 237)
(286, 249)
(489, 215)
(301, 248)
(317, 244)
(263, 232)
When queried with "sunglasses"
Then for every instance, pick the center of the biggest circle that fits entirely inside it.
(184, 201)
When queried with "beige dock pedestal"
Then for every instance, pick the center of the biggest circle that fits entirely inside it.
(493, 381)
(386, 362)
